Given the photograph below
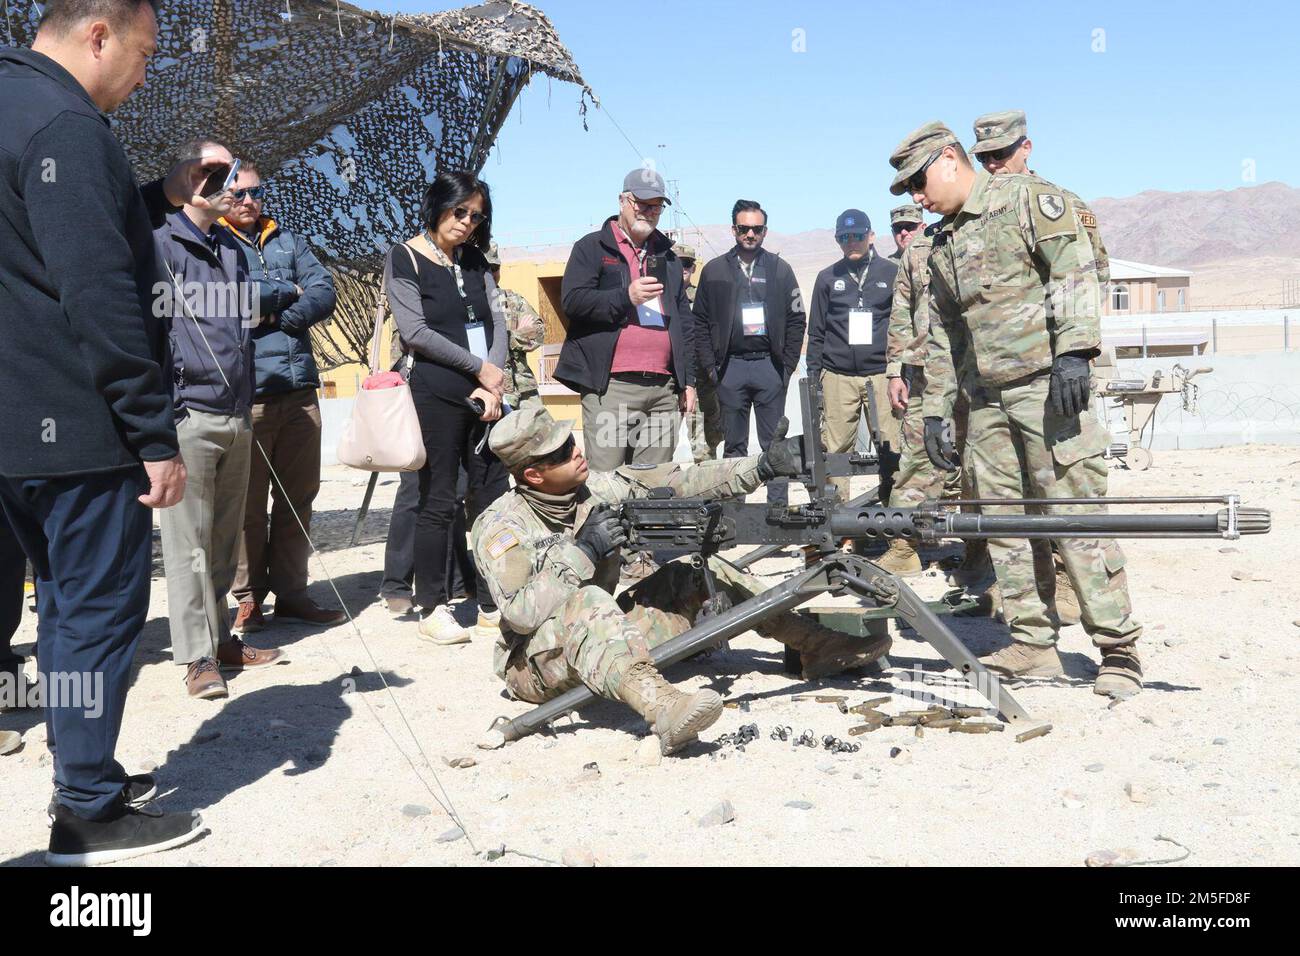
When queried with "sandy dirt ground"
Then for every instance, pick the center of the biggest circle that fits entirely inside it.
(306, 765)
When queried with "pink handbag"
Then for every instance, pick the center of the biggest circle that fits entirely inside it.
(383, 433)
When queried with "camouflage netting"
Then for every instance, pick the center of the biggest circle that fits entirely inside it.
(347, 113)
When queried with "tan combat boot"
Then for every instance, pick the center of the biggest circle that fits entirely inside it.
(901, 559)
(1019, 659)
(975, 573)
(1067, 601)
(1120, 675)
(676, 718)
(822, 651)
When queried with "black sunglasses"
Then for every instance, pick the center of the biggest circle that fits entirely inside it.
(252, 192)
(756, 230)
(557, 457)
(905, 226)
(916, 182)
(461, 213)
(844, 237)
(1003, 154)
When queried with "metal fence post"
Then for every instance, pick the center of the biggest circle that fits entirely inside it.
(1286, 333)
(1214, 336)
(1144, 340)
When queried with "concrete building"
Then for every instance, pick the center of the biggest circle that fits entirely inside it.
(1137, 288)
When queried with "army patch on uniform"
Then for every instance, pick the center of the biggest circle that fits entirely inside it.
(1051, 205)
(1088, 219)
(500, 543)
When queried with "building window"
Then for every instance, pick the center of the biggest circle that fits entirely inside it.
(1182, 300)
(1119, 298)
(1160, 301)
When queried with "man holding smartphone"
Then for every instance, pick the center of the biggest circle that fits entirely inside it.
(628, 352)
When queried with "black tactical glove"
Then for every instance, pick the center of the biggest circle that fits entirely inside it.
(938, 443)
(1070, 391)
(784, 456)
(601, 535)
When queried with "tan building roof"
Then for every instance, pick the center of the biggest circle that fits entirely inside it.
(1122, 270)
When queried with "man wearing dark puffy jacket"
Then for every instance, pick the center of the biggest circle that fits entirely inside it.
(294, 292)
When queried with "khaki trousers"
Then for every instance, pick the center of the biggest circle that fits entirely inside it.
(844, 400)
(635, 421)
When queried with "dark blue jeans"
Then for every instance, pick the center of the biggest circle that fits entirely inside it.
(89, 541)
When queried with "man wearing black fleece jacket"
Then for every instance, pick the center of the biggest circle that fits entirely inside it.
(87, 441)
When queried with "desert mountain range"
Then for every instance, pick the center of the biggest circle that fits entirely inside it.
(1240, 244)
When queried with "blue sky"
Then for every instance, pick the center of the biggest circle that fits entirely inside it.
(1193, 95)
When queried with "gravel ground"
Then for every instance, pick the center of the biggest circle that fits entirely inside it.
(304, 764)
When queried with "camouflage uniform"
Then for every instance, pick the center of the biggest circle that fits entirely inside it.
(995, 326)
(521, 383)
(561, 625)
(704, 426)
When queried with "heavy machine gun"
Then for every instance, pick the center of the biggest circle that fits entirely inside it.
(703, 528)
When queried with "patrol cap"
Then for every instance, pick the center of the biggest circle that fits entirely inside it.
(852, 220)
(994, 131)
(915, 151)
(526, 435)
(645, 183)
(493, 255)
(909, 213)
(684, 251)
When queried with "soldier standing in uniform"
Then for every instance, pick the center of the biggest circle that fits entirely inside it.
(704, 426)
(1002, 145)
(526, 332)
(1014, 322)
(550, 552)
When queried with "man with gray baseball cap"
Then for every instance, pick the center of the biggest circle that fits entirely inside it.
(628, 351)
(549, 551)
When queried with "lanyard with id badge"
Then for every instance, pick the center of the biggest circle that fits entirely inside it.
(861, 321)
(753, 317)
(475, 330)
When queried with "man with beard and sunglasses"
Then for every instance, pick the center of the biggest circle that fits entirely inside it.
(1015, 319)
(550, 551)
(749, 326)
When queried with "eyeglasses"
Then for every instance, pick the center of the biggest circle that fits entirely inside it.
(916, 183)
(560, 456)
(756, 230)
(844, 237)
(461, 214)
(1003, 154)
(906, 227)
(652, 205)
(252, 192)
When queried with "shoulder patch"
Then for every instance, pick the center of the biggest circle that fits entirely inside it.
(1051, 205)
(1088, 219)
(501, 542)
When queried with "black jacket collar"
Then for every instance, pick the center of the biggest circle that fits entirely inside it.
(47, 67)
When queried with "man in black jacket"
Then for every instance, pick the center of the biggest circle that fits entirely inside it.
(628, 349)
(847, 334)
(87, 442)
(749, 325)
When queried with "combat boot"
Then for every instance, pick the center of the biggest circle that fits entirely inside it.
(1067, 600)
(823, 651)
(1019, 659)
(901, 559)
(1120, 675)
(975, 573)
(676, 718)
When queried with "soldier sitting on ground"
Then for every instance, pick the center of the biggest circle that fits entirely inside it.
(549, 551)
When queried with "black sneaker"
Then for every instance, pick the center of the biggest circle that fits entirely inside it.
(140, 789)
(136, 832)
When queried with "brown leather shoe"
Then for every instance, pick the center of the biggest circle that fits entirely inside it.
(204, 681)
(237, 655)
(307, 611)
(248, 619)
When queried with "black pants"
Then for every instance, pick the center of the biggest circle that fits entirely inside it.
(399, 551)
(757, 384)
(452, 433)
(13, 573)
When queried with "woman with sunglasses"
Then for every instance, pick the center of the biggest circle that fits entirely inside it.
(444, 303)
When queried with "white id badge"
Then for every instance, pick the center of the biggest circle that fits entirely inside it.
(753, 321)
(860, 324)
(477, 335)
(651, 314)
